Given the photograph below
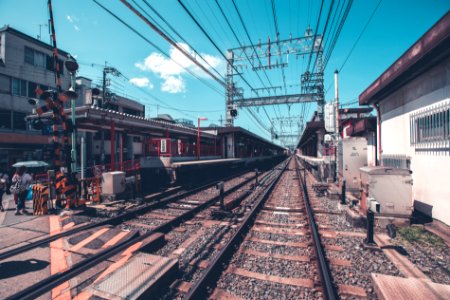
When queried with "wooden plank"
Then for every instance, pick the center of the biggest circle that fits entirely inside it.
(278, 256)
(220, 294)
(308, 283)
(277, 243)
(352, 290)
(398, 288)
(401, 262)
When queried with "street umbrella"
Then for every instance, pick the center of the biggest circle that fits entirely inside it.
(30, 164)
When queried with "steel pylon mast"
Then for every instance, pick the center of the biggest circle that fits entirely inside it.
(311, 90)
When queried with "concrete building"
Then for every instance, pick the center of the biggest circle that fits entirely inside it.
(118, 103)
(25, 63)
(412, 98)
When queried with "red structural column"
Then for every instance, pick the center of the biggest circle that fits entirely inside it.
(113, 146)
(121, 151)
(198, 135)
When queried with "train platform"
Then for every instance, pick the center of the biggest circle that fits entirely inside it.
(15, 272)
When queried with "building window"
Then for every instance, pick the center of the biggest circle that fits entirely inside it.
(5, 84)
(5, 119)
(19, 121)
(29, 56)
(19, 87)
(41, 60)
(49, 64)
(431, 125)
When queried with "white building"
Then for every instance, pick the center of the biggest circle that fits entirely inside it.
(412, 98)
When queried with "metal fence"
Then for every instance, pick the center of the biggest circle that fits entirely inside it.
(430, 127)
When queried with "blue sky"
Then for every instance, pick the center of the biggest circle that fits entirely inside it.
(94, 36)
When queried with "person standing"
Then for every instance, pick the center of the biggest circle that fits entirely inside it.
(4, 181)
(20, 184)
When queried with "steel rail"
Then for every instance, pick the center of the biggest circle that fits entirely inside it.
(211, 274)
(330, 291)
(43, 286)
(114, 220)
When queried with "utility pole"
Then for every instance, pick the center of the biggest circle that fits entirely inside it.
(106, 95)
(229, 90)
(102, 132)
(336, 131)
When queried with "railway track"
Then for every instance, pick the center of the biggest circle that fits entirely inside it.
(145, 228)
(274, 253)
(278, 239)
(151, 202)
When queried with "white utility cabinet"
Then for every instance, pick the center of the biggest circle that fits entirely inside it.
(391, 187)
(352, 153)
(113, 183)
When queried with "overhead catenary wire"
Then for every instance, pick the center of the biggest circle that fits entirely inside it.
(181, 37)
(170, 41)
(330, 10)
(259, 59)
(156, 47)
(212, 41)
(314, 37)
(357, 40)
(338, 32)
(245, 53)
(360, 34)
(143, 90)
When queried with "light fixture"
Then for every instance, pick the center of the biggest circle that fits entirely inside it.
(33, 101)
(71, 65)
(71, 94)
(46, 94)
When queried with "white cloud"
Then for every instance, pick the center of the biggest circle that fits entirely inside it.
(171, 70)
(73, 20)
(173, 85)
(141, 82)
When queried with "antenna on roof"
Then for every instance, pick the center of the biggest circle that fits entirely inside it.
(39, 36)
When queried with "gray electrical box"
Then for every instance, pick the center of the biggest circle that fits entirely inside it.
(390, 187)
(113, 183)
(352, 155)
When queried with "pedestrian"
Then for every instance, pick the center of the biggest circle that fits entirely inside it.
(4, 181)
(20, 184)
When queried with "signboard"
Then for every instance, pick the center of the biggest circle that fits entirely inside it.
(163, 146)
(330, 117)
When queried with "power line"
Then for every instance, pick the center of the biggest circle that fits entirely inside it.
(212, 42)
(156, 47)
(259, 59)
(178, 35)
(170, 41)
(210, 39)
(325, 28)
(338, 32)
(315, 36)
(360, 35)
(248, 36)
(241, 44)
